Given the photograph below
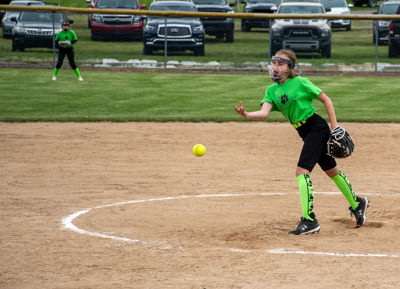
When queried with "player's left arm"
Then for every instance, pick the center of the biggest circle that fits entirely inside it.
(74, 37)
(329, 109)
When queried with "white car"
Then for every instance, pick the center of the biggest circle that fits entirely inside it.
(7, 24)
(338, 7)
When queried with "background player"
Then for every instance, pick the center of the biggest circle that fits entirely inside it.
(65, 39)
(292, 95)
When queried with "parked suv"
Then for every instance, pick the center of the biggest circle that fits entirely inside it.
(220, 27)
(394, 37)
(302, 35)
(115, 27)
(257, 6)
(7, 24)
(338, 7)
(370, 3)
(36, 29)
(381, 27)
(182, 33)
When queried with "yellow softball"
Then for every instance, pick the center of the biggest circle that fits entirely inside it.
(199, 150)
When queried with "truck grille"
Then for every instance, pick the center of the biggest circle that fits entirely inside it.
(43, 32)
(119, 20)
(175, 31)
(300, 32)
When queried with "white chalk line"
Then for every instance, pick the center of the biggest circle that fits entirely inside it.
(67, 224)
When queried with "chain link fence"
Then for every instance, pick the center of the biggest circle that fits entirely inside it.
(196, 37)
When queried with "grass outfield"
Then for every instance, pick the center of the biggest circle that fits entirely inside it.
(31, 95)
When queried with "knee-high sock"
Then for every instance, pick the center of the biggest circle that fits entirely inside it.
(56, 70)
(78, 74)
(345, 187)
(306, 196)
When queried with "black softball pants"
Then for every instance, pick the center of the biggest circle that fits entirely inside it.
(70, 54)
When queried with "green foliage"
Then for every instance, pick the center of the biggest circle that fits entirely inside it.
(121, 96)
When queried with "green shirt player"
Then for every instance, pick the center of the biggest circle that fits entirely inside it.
(64, 39)
(293, 96)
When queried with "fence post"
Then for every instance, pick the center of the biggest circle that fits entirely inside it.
(376, 48)
(165, 43)
(54, 43)
(269, 42)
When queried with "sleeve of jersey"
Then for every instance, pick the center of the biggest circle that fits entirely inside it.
(57, 37)
(74, 37)
(313, 90)
(269, 98)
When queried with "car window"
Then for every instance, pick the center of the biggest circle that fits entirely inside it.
(34, 16)
(262, 1)
(210, 2)
(173, 7)
(300, 9)
(334, 3)
(117, 4)
(390, 8)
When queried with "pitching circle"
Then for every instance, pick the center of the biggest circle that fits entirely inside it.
(67, 224)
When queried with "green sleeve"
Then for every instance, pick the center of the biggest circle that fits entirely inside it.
(74, 38)
(269, 97)
(313, 90)
(57, 36)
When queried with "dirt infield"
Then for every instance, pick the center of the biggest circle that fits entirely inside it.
(166, 219)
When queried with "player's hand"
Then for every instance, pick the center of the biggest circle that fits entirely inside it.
(240, 110)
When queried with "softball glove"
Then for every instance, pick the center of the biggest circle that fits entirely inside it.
(340, 143)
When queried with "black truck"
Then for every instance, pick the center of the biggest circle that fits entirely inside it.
(394, 37)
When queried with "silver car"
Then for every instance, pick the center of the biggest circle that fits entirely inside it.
(338, 7)
(7, 24)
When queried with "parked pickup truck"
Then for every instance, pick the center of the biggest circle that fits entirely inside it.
(394, 37)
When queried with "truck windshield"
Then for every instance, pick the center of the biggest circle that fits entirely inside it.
(262, 1)
(209, 2)
(390, 8)
(334, 3)
(35, 16)
(300, 9)
(131, 4)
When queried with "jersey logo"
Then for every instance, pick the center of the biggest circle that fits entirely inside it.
(284, 99)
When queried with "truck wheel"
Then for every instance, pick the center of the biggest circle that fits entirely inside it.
(229, 36)
(372, 3)
(274, 49)
(245, 28)
(326, 52)
(14, 46)
(199, 51)
(348, 28)
(147, 50)
(392, 51)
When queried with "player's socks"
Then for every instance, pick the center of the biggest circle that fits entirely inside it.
(306, 196)
(56, 70)
(78, 74)
(345, 187)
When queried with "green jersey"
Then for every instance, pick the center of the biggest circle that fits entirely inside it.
(66, 36)
(293, 98)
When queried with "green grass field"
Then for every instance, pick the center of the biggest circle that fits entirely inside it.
(31, 95)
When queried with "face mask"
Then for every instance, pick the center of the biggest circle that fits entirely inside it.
(278, 78)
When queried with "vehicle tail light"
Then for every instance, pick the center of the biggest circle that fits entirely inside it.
(391, 28)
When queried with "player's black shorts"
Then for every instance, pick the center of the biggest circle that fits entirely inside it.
(315, 134)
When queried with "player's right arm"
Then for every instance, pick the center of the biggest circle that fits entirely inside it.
(260, 114)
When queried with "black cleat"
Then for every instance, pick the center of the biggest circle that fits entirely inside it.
(306, 227)
(359, 212)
